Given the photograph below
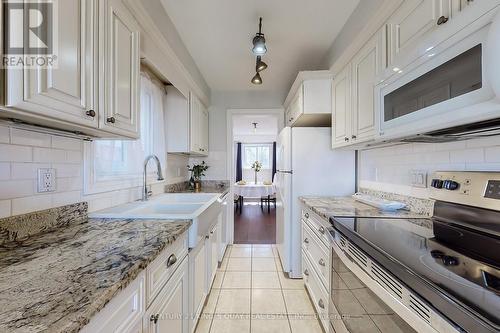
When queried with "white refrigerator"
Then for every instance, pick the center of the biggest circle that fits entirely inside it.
(306, 166)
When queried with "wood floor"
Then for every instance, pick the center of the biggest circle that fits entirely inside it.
(254, 225)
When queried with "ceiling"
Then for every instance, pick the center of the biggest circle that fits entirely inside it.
(267, 125)
(218, 34)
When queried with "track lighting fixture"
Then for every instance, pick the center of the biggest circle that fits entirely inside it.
(260, 65)
(257, 79)
(259, 42)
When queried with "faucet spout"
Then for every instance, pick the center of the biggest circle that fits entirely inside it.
(145, 192)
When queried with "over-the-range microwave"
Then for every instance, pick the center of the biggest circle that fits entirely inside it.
(456, 82)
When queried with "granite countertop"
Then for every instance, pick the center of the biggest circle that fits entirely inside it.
(327, 207)
(56, 281)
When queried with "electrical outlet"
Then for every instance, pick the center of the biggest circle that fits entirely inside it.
(46, 180)
(418, 178)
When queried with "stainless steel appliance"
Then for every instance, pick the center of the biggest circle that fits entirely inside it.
(441, 277)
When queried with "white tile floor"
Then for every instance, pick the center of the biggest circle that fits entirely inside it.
(251, 294)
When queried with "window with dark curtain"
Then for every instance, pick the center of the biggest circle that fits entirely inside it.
(274, 160)
(239, 163)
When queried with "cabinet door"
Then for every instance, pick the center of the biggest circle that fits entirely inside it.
(297, 104)
(365, 66)
(194, 123)
(414, 19)
(204, 130)
(197, 281)
(341, 107)
(120, 58)
(67, 91)
(166, 313)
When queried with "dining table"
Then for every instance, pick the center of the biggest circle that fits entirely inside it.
(254, 190)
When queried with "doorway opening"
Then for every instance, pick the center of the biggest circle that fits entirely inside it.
(253, 136)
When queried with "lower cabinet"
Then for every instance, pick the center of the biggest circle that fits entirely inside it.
(197, 282)
(167, 312)
(212, 245)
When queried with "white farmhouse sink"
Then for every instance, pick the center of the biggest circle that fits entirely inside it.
(202, 208)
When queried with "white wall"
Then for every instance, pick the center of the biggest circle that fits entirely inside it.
(22, 152)
(388, 169)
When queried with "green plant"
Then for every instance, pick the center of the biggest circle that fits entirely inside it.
(198, 170)
(257, 166)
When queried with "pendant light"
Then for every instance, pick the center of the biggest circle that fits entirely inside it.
(257, 79)
(260, 65)
(254, 127)
(259, 42)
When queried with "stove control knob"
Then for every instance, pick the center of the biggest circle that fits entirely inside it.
(437, 183)
(436, 254)
(450, 261)
(451, 185)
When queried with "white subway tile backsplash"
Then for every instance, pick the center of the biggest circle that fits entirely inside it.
(74, 157)
(4, 171)
(5, 208)
(67, 170)
(4, 134)
(12, 153)
(26, 170)
(31, 204)
(60, 142)
(29, 138)
(492, 155)
(16, 188)
(66, 198)
(48, 155)
(467, 155)
(68, 184)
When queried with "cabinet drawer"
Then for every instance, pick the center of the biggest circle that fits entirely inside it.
(318, 225)
(319, 258)
(317, 291)
(162, 268)
(123, 313)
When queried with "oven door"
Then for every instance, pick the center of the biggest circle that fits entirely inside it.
(354, 307)
(448, 86)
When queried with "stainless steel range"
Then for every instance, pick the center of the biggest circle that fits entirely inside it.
(444, 278)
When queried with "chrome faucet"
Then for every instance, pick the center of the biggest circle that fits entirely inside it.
(145, 193)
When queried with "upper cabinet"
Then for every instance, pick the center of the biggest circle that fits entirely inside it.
(94, 87)
(65, 93)
(411, 21)
(186, 123)
(120, 63)
(354, 113)
(309, 102)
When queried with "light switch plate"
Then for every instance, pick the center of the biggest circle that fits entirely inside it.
(46, 180)
(418, 178)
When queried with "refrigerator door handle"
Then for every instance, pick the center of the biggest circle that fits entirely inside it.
(285, 171)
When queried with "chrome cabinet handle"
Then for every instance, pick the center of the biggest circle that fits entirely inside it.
(306, 215)
(322, 262)
(111, 120)
(90, 113)
(154, 318)
(346, 139)
(306, 240)
(171, 260)
(321, 304)
(442, 20)
(354, 137)
(306, 272)
(321, 230)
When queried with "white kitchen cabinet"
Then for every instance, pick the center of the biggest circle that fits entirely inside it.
(124, 313)
(187, 123)
(341, 112)
(309, 102)
(120, 63)
(166, 313)
(68, 92)
(414, 19)
(354, 108)
(197, 282)
(198, 126)
(212, 245)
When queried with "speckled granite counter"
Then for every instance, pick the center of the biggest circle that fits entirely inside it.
(327, 207)
(221, 187)
(56, 281)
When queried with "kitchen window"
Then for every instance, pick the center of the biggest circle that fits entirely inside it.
(118, 164)
(257, 152)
